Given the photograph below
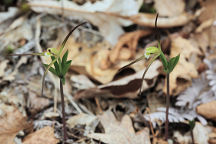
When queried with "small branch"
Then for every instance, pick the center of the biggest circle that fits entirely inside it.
(63, 112)
(167, 108)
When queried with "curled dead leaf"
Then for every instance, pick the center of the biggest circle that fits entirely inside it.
(42, 136)
(129, 42)
(11, 122)
(127, 87)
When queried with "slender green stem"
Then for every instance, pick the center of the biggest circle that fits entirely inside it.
(143, 76)
(63, 112)
(167, 108)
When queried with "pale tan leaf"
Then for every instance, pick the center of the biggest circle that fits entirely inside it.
(83, 119)
(207, 110)
(120, 132)
(201, 133)
(42, 136)
(94, 61)
(145, 19)
(101, 13)
(169, 8)
(89, 121)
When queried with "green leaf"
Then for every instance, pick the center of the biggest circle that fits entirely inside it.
(66, 67)
(172, 63)
(51, 69)
(64, 58)
(164, 61)
(60, 65)
(192, 124)
(56, 65)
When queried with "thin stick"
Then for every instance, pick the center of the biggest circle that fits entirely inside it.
(192, 136)
(63, 112)
(167, 108)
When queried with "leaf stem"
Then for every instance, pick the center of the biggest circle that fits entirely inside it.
(63, 112)
(167, 108)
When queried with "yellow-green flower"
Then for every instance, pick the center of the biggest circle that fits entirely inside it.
(151, 50)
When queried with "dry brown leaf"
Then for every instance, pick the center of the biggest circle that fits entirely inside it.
(83, 119)
(207, 110)
(120, 132)
(36, 103)
(89, 60)
(89, 121)
(42, 136)
(202, 39)
(204, 25)
(11, 122)
(11, 76)
(206, 36)
(185, 70)
(127, 87)
(209, 10)
(3, 66)
(169, 8)
(127, 41)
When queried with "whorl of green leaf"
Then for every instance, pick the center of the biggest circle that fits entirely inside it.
(192, 124)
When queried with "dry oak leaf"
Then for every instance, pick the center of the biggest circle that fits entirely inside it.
(120, 132)
(11, 122)
(169, 8)
(185, 69)
(207, 110)
(42, 136)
